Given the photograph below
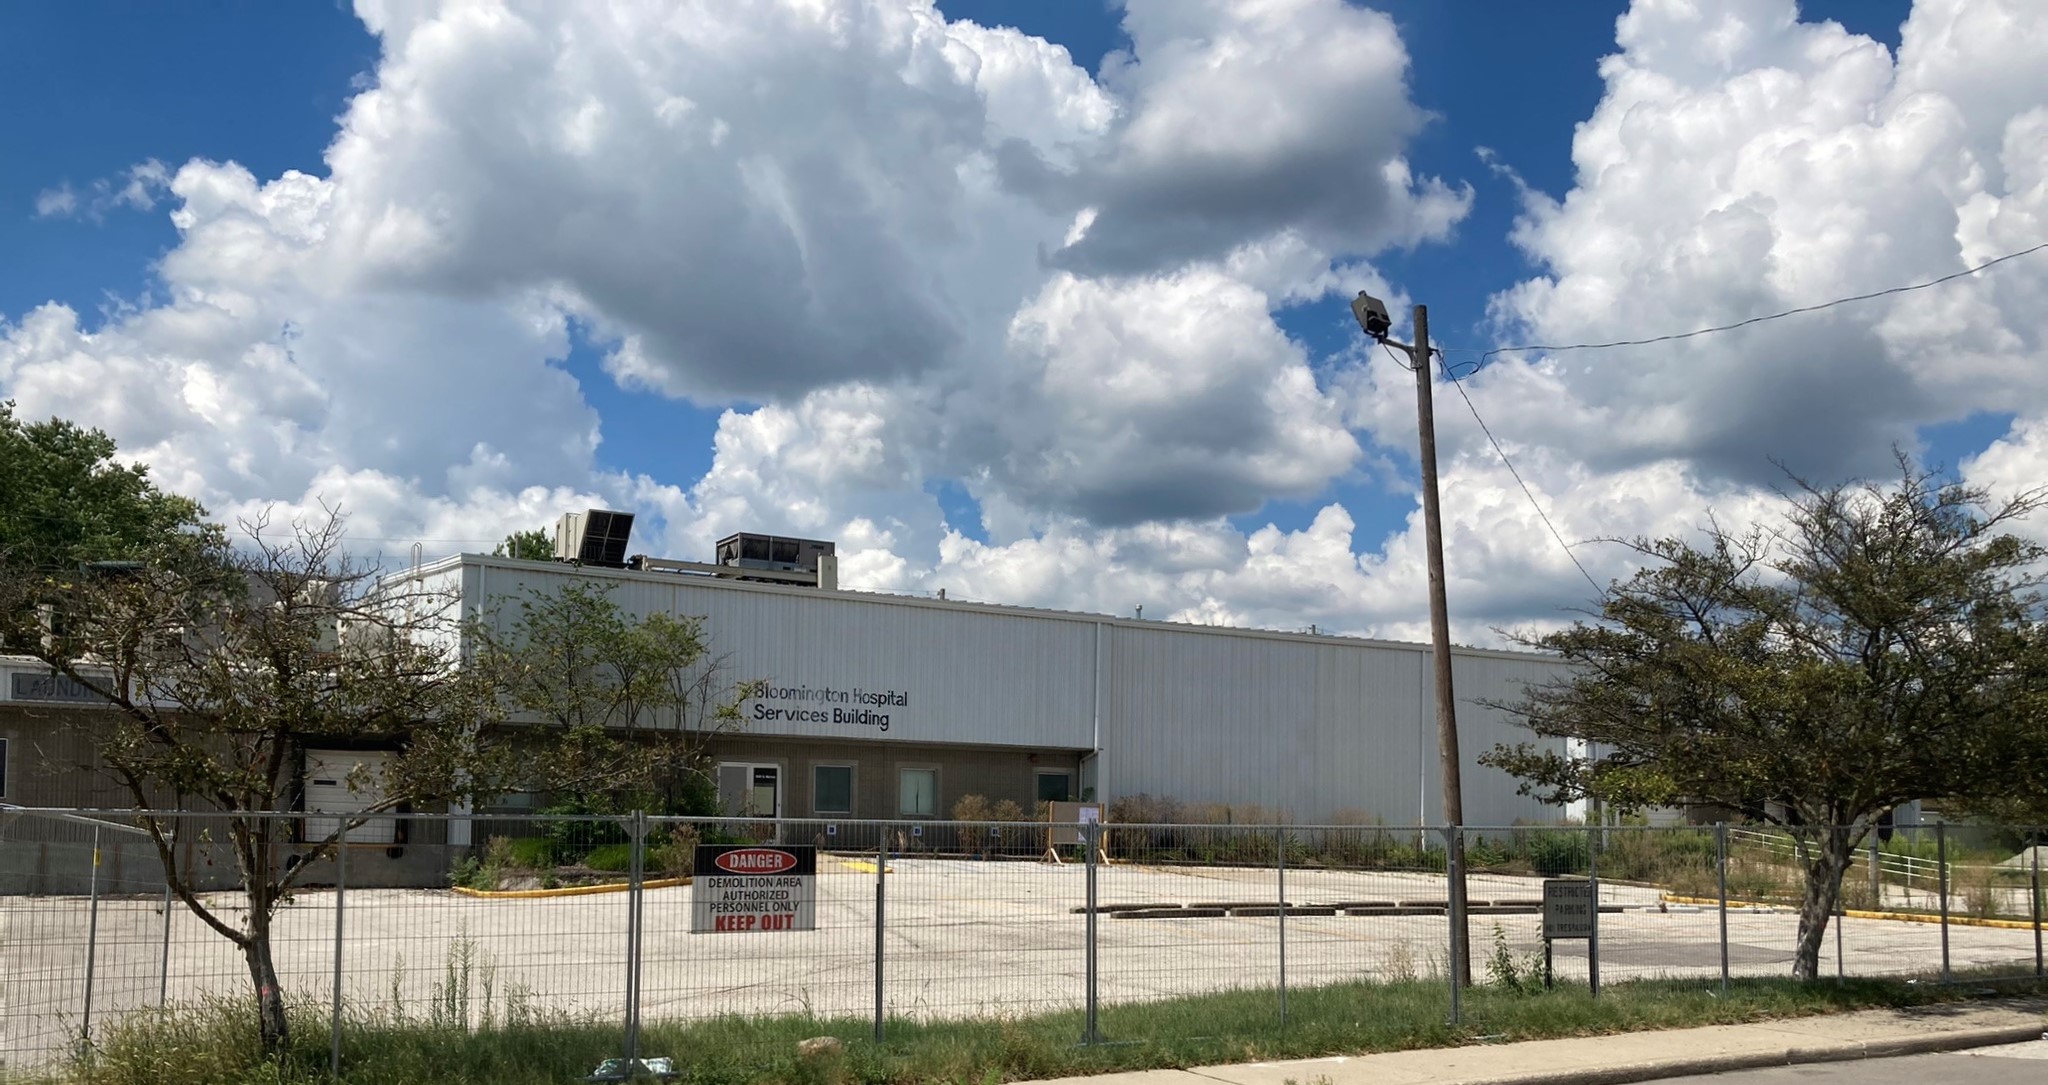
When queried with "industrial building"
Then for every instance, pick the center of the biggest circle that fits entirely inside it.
(880, 706)
(893, 706)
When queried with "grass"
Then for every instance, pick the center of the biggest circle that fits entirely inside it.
(518, 1043)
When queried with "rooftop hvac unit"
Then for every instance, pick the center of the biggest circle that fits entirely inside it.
(747, 550)
(596, 537)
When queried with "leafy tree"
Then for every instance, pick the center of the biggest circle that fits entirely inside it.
(220, 664)
(67, 502)
(624, 706)
(535, 545)
(1884, 645)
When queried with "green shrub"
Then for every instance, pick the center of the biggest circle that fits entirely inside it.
(529, 852)
(611, 858)
(1554, 852)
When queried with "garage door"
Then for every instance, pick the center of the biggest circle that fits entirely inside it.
(328, 775)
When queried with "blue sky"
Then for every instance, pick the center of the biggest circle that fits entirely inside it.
(262, 84)
(95, 88)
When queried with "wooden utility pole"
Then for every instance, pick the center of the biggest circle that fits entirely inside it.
(1374, 320)
(1440, 646)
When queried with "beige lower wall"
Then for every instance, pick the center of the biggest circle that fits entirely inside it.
(993, 773)
(53, 759)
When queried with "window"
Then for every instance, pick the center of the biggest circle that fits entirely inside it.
(832, 789)
(917, 792)
(750, 790)
(1055, 787)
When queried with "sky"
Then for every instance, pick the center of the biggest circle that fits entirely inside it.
(1040, 303)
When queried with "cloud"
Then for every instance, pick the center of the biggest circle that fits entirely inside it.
(59, 202)
(1243, 121)
(904, 254)
(1743, 162)
(797, 208)
(137, 189)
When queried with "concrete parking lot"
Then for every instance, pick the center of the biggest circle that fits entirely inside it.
(961, 938)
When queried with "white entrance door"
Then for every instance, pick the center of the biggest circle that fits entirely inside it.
(750, 790)
(328, 776)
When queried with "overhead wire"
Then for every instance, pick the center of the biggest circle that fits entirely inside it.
(1780, 315)
(1457, 378)
(1510, 464)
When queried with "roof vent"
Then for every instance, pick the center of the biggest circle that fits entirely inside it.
(593, 537)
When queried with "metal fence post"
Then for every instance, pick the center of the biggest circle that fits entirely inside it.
(637, 828)
(340, 903)
(1941, 864)
(1593, 941)
(1090, 836)
(92, 937)
(1453, 837)
(2035, 852)
(881, 874)
(1842, 916)
(1721, 869)
(1876, 874)
(163, 967)
(1280, 876)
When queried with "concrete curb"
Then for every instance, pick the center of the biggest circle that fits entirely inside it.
(569, 891)
(1846, 1051)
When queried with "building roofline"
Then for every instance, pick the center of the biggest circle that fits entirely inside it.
(491, 561)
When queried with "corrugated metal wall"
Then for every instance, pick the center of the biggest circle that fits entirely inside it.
(966, 676)
(1315, 728)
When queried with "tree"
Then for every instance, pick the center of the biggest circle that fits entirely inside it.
(625, 707)
(1885, 645)
(220, 664)
(67, 503)
(533, 545)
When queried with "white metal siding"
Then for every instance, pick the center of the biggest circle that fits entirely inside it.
(1315, 728)
(1489, 793)
(979, 678)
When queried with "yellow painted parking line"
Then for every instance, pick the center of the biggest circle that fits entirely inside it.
(1858, 913)
(863, 866)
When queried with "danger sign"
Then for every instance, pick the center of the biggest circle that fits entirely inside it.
(754, 887)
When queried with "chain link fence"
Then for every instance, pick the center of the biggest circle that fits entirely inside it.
(612, 924)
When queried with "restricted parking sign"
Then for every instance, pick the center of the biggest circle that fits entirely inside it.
(748, 888)
(1567, 908)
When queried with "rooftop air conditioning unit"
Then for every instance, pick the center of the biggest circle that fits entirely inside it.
(595, 537)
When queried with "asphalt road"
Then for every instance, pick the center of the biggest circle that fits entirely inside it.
(2013, 1064)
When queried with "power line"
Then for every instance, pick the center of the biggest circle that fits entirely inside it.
(1526, 492)
(1995, 261)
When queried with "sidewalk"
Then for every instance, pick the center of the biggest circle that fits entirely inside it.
(1640, 1056)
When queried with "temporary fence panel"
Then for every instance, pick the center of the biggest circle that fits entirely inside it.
(634, 926)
